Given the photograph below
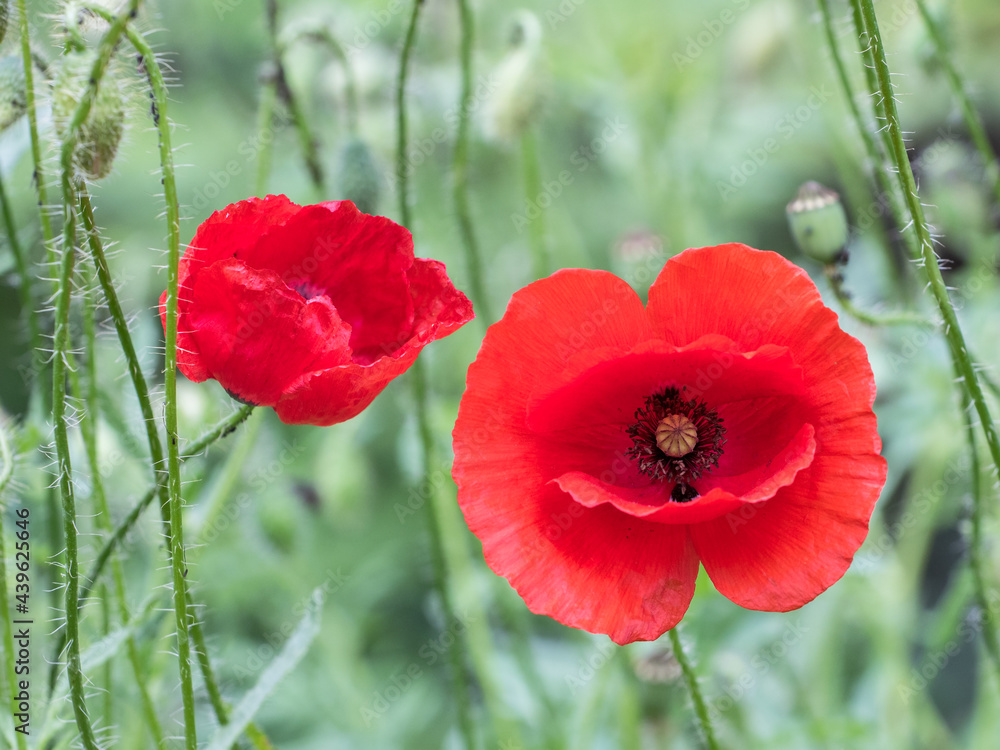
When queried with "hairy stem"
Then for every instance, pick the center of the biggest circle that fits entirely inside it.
(74, 669)
(460, 166)
(691, 680)
(457, 654)
(952, 331)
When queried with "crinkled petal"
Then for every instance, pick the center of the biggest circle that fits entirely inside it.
(256, 336)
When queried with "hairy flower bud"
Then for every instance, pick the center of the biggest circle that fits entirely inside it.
(13, 96)
(358, 178)
(517, 81)
(98, 137)
(818, 223)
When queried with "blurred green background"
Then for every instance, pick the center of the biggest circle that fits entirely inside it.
(657, 114)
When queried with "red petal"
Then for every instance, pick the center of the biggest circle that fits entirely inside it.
(438, 307)
(596, 569)
(359, 261)
(782, 553)
(330, 396)
(256, 336)
(224, 234)
(581, 424)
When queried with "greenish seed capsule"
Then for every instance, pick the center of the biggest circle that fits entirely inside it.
(818, 223)
(98, 138)
(13, 94)
(358, 178)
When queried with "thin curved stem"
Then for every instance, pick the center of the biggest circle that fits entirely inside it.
(139, 384)
(882, 184)
(901, 318)
(74, 668)
(402, 122)
(265, 116)
(225, 427)
(533, 188)
(48, 235)
(36, 144)
(976, 558)
(20, 261)
(691, 680)
(88, 430)
(324, 35)
(969, 113)
(158, 91)
(952, 331)
(306, 138)
(457, 653)
(460, 167)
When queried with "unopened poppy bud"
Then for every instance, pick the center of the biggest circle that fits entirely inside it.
(98, 138)
(818, 223)
(517, 82)
(13, 99)
(358, 177)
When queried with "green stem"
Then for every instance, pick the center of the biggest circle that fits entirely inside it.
(402, 122)
(48, 235)
(952, 330)
(225, 427)
(22, 269)
(74, 669)
(324, 35)
(882, 184)
(219, 704)
(139, 384)
(456, 653)
(103, 513)
(460, 164)
(438, 556)
(306, 138)
(265, 117)
(969, 113)
(532, 189)
(902, 318)
(6, 473)
(175, 503)
(976, 557)
(36, 144)
(691, 680)
(159, 95)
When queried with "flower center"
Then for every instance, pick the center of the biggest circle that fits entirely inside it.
(676, 435)
(676, 440)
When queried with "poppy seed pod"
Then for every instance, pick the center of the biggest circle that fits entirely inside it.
(358, 177)
(98, 138)
(818, 223)
(13, 96)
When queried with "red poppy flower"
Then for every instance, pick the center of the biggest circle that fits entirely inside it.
(309, 309)
(603, 449)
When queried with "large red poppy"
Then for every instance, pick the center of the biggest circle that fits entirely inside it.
(603, 449)
(309, 309)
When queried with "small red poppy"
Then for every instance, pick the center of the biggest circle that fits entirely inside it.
(309, 309)
(604, 449)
